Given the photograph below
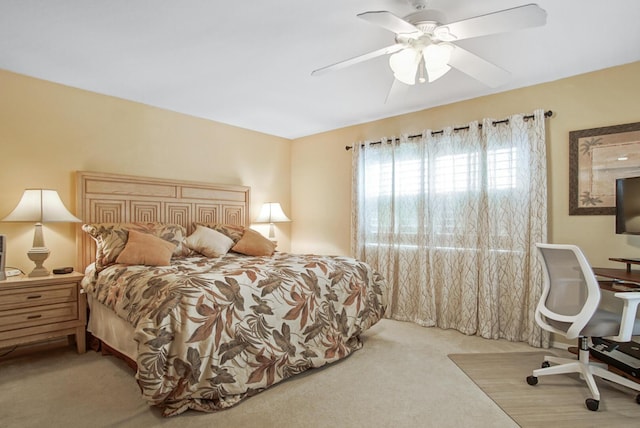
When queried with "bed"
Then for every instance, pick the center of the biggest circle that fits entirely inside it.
(206, 327)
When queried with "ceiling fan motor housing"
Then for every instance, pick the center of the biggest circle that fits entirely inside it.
(426, 21)
(429, 18)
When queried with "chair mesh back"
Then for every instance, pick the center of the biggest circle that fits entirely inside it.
(568, 288)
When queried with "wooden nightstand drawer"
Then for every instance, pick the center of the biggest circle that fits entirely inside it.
(33, 309)
(29, 317)
(36, 296)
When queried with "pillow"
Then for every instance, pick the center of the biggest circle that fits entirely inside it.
(208, 242)
(233, 231)
(253, 243)
(146, 249)
(111, 238)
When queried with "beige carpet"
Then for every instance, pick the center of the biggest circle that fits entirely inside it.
(557, 401)
(402, 378)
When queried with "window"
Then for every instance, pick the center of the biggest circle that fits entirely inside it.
(501, 169)
(454, 177)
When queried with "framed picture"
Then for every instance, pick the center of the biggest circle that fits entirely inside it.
(596, 158)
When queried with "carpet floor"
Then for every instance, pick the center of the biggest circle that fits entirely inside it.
(556, 401)
(401, 378)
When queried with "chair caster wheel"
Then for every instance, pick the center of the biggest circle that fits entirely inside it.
(592, 404)
(545, 364)
(532, 380)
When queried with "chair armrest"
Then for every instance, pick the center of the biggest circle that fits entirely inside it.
(631, 301)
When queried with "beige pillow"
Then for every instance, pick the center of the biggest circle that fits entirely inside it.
(253, 243)
(208, 242)
(233, 231)
(146, 249)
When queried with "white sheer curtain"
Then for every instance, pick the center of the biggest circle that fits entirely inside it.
(451, 220)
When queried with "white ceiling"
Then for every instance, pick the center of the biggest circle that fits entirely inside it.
(248, 63)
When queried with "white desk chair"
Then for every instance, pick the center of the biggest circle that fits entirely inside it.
(569, 307)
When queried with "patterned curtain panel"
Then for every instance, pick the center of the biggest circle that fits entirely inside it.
(451, 220)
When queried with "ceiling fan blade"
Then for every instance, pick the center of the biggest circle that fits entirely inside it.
(530, 15)
(396, 91)
(478, 68)
(360, 58)
(389, 21)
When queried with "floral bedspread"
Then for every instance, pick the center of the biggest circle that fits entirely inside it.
(212, 332)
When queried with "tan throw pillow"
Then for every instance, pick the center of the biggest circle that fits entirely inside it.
(146, 249)
(111, 238)
(208, 242)
(253, 243)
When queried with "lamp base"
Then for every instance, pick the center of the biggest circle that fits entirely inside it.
(38, 255)
(36, 272)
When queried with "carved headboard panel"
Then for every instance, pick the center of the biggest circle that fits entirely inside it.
(113, 198)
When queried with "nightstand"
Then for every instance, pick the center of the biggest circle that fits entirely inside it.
(35, 309)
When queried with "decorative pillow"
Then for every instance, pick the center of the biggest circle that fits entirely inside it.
(208, 242)
(253, 243)
(145, 249)
(111, 238)
(232, 231)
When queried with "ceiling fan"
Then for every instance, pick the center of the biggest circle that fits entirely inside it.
(424, 48)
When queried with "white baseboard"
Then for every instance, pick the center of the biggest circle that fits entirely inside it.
(560, 345)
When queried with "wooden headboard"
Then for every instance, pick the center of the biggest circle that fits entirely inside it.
(114, 198)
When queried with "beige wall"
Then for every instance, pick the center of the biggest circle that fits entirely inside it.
(321, 168)
(49, 131)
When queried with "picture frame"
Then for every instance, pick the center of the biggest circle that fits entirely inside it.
(597, 157)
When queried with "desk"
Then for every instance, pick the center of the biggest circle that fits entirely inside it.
(615, 286)
(628, 262)
(620, 275)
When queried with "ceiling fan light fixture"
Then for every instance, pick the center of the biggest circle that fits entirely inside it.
(434, 73)
(405, 65)
(436, 59)
(437, 54)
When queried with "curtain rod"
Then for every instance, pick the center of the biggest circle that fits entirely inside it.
(547, 113)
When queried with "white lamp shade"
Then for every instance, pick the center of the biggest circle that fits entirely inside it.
(434, 73)
(41, 206)
(436, 59)
(271, 212)
(405, 65)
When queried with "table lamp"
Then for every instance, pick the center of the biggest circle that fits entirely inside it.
(40, 206)
(271, 212)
